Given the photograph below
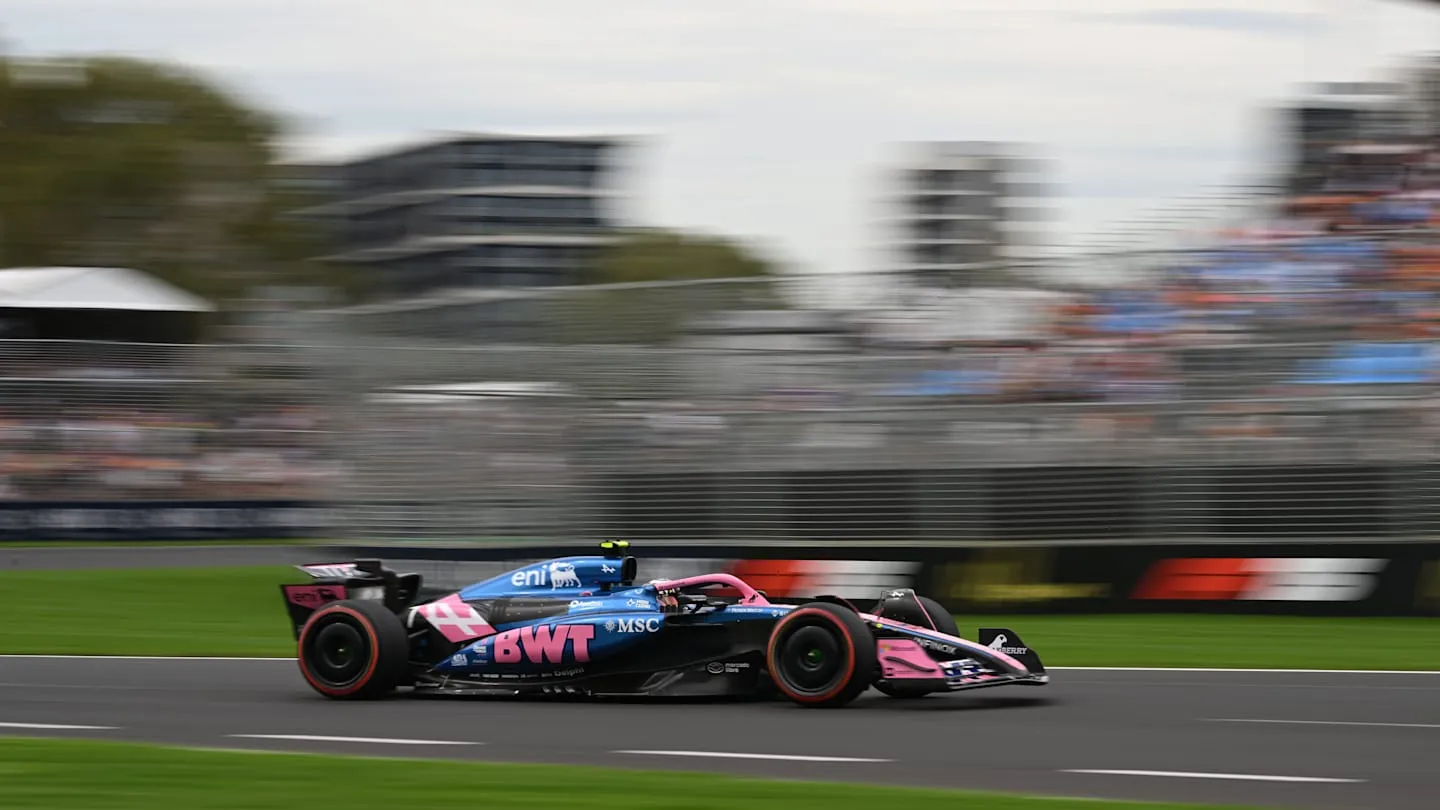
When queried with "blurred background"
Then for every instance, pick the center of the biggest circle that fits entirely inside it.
(821, 273)
(1046, 309)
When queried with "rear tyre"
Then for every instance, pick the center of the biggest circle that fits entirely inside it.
(821, 655)
(353, 650)
(929, 614)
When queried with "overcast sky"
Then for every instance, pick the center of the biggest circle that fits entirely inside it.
(769, 119)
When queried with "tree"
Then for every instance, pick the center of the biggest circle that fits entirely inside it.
(650, 284)
(661, 255)
(125, 162)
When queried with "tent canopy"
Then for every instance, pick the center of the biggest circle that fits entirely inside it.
(104, 288)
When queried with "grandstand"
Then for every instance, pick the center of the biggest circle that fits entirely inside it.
(105, 394)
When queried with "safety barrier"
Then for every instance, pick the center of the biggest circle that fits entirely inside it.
(1319, 579)
(142, 521)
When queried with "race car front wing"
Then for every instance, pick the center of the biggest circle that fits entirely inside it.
(967, 673)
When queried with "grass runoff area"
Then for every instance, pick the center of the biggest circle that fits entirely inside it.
(75, 775)
(239, 612)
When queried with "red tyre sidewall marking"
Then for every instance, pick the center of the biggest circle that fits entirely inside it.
(369, 671)
(849, 672)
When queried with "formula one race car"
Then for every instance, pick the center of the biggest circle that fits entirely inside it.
(579, 625)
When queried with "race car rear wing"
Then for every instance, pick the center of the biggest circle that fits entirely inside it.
(362, 579)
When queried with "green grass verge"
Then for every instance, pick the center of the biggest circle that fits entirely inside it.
(237, 611)
(1262, 642)
(170, 611)
(84, 775)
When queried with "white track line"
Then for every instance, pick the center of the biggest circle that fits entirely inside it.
(373, 740)
(728, 755)
(291, 659)
(1323, 723)
(58, 727)
(1250, 777)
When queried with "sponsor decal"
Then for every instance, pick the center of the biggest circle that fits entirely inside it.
(562, 575)
(766, 611)
(998, 645)
(1012, 576)
(548, 644)
(313, 596)
(718, 668)
(1280, 579)
(454, 618)
(938, 646)
(851, 579)
(639, 603)
(650, 624)
(567, 673)
(529, 578)
(458, 660)
(579, 605)
(966, 666)
(607, 569)
(555, 574)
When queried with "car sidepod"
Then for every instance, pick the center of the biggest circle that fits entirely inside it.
(612, 651)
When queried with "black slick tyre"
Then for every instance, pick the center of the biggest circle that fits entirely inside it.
(928, 613)
(353, 650)
(821, 655)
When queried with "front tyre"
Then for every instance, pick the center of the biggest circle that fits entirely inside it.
(353, 650)
(923, 612)
(821, 655)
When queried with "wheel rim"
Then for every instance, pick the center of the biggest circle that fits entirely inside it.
(812, 659)
(339, 653)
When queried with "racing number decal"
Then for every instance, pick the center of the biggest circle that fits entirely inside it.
(544, 644)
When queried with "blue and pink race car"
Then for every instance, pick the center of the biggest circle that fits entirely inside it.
(581, 626)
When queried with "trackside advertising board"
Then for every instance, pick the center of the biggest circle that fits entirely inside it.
(1313, 579)
(141, 521)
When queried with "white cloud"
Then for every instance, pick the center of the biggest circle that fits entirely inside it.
(770, 117)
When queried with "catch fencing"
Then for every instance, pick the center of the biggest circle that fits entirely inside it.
(719, 436)
(816, 432)
(828, 465)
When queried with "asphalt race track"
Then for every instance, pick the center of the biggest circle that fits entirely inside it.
(1366, 740)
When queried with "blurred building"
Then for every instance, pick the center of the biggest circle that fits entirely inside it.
(1330, 119)
(469, 212)
(1424, 80)
(321, 181)
(952, 209)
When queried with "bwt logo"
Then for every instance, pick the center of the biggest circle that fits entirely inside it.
(561, 575)
(545, 645)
